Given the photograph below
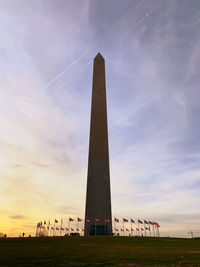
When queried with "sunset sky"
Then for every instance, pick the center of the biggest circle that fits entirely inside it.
(152, 54)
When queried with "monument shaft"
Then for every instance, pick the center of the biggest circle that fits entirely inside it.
(98, 218)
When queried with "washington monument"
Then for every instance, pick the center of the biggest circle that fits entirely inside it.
(98, 218)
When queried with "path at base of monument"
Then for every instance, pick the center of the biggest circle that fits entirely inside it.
(99, 251)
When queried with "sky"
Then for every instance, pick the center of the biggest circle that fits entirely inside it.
(152, 55)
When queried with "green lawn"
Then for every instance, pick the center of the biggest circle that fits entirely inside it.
(99, 251)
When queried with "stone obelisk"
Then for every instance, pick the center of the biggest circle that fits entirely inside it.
(98, 218)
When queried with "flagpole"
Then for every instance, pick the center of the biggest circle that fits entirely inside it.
(135, 229)
(48, 226)
(60, 226)
(36, 230)
(51, 230)
(138, 228)
(40, 228)
(149, 228)
(158, 232)
(191, 234)
(95, 227)
(153, 230)
(142, 232)
(86, 225)
(131, 228)
(68, 227)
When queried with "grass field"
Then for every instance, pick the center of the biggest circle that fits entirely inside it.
(99, 251)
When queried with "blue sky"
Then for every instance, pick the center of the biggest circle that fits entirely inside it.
(152, 54)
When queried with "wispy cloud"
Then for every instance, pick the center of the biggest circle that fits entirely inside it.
(16, 217)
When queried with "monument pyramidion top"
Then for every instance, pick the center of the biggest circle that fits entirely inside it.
(99, 57)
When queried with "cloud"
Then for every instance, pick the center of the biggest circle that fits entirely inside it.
(16, 217)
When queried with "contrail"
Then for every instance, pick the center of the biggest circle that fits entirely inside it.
(112, 125)
(126, 15)
(66, 69)
(147, 15)
(56, 78)
(125, 116)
